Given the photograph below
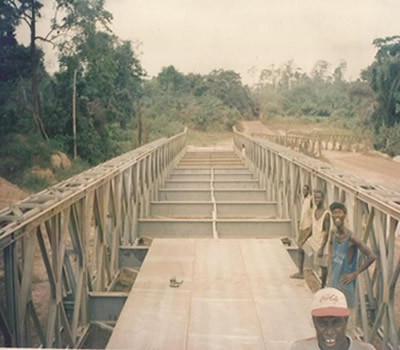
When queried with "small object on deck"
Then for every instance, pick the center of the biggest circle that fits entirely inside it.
(286, 241)
(173, 283)
(139, 241)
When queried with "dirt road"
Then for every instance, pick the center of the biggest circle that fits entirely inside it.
(373, 168)
(10, 193)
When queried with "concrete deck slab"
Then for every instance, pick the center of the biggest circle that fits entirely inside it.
(236, 294)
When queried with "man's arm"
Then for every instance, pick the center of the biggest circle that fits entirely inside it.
(330, 247)
(370, 259)
(306, 236)
(326, 226)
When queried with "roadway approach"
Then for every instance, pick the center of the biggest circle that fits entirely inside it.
(216, 275)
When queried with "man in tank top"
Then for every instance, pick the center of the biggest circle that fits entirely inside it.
(318, 235)
(329, 313)
(315, 242)
(304, 227)
(306, 213)
(342, 264)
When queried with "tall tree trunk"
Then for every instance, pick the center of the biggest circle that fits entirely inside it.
(74, 114)
(36, 108)
(139, 123)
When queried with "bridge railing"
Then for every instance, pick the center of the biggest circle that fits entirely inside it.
(314, 144)
(60, 249)
(373, 215)
(308, 145)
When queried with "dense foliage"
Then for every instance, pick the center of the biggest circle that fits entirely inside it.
(383, 75)
(101, 80)
(214, 101)
(290, 91)
(36, 107)
(116, 108)
(368, 105)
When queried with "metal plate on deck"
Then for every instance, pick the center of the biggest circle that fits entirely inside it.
(236, 294)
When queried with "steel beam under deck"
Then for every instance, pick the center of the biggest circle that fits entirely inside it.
(203, 228)
(233, 195)
(219, 170)
(189, 183)
(204, 209)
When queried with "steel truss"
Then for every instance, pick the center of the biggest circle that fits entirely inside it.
(373, 214)
(63, 248)
(313, 144)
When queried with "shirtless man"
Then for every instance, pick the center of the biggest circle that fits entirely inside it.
(343, 253)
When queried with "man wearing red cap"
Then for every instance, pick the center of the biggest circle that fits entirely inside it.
(330, 313)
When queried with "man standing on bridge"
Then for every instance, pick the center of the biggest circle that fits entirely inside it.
(316, 239)
(330, 313)
(342, 265)
(304, 227)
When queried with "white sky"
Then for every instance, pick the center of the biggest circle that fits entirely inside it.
(202, 35)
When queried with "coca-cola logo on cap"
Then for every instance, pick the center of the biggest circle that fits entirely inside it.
(329, 298)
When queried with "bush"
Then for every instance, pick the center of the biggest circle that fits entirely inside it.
(31, 183)
(387, 139)
(272, 108)
(19, 152)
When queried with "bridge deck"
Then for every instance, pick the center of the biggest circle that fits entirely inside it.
(236, 294)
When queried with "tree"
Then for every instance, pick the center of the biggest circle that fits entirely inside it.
(28, 11)
(339, 71)
(83, 18)
(383, 75)
(14, 73)
(108, 80)
(320, 71)
(170, 79)
(227, 86)
(270, 76)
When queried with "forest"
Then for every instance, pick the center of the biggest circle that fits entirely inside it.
(101, 102)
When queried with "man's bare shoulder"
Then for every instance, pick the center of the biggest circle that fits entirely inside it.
(353, 239)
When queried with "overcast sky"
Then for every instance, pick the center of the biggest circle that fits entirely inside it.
(202, 35)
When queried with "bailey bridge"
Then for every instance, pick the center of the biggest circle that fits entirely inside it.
(206, 234)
